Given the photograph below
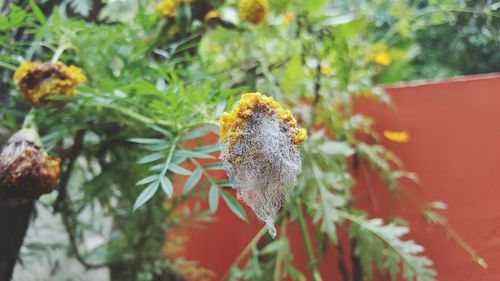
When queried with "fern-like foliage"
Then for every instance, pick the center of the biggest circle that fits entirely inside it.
(382, 245)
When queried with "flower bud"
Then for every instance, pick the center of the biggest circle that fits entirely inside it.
(26, 170)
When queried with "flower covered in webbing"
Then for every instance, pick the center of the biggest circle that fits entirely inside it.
(26, 170)
(253, 11)
(259, 149)
(38, 80)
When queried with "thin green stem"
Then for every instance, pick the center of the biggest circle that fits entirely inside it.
(57, 54)
(169, 157)
(29, 120)
(308, 245)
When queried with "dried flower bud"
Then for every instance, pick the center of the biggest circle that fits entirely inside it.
(36, 80)
(253, 11)
(26, 170)
(260, 155)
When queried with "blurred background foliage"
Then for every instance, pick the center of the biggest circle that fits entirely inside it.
(156, 83)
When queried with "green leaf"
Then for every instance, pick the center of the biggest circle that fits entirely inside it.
(193, 154)
(199, 132)
(273, 247)
(148, 141)
(146, 194)
(82, 7)
(336, 148)
(315, 6)
(166, 185)
(225, 184)
(193, 180)
(214, 166)
(38, 13)
(234, 206)
(213, 198)
(151, 158)
(148, 179)
(208, 149)
(179, 170)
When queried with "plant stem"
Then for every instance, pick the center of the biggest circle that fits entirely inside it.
(245, 251)
(59, 51)
(308, 245)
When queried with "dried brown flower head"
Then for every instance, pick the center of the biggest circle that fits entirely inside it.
(26, 170)
(38, 80)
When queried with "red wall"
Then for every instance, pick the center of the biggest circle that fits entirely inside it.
(454, 148)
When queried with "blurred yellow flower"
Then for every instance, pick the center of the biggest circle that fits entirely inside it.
(288, 18)
(215, 49)
(253, 11)
(166, 8)
(36, 80)
(382, 58)
(211, 15)
(325, 70)
(401, 136)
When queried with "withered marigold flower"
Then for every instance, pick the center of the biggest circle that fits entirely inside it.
(26, 170)
(38, 80)
(259, 149)
(253, 11)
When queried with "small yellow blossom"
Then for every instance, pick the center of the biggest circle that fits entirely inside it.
(211, 15)
(325, 70)
(401, 136)
(232, 123)
(253, 11)
(382, 58)
(216, 49)
(166, 8)
(37, 80)
(288, 18)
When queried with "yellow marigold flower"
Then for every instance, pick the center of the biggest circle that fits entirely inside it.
(26, 170)
(254, 11)
(287, 19)
(211, 16)
(166, 8)
(259, 150)
(382, 58)
(401, 136)
(37, 80)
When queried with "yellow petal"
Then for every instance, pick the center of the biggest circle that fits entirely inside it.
(401, 136)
